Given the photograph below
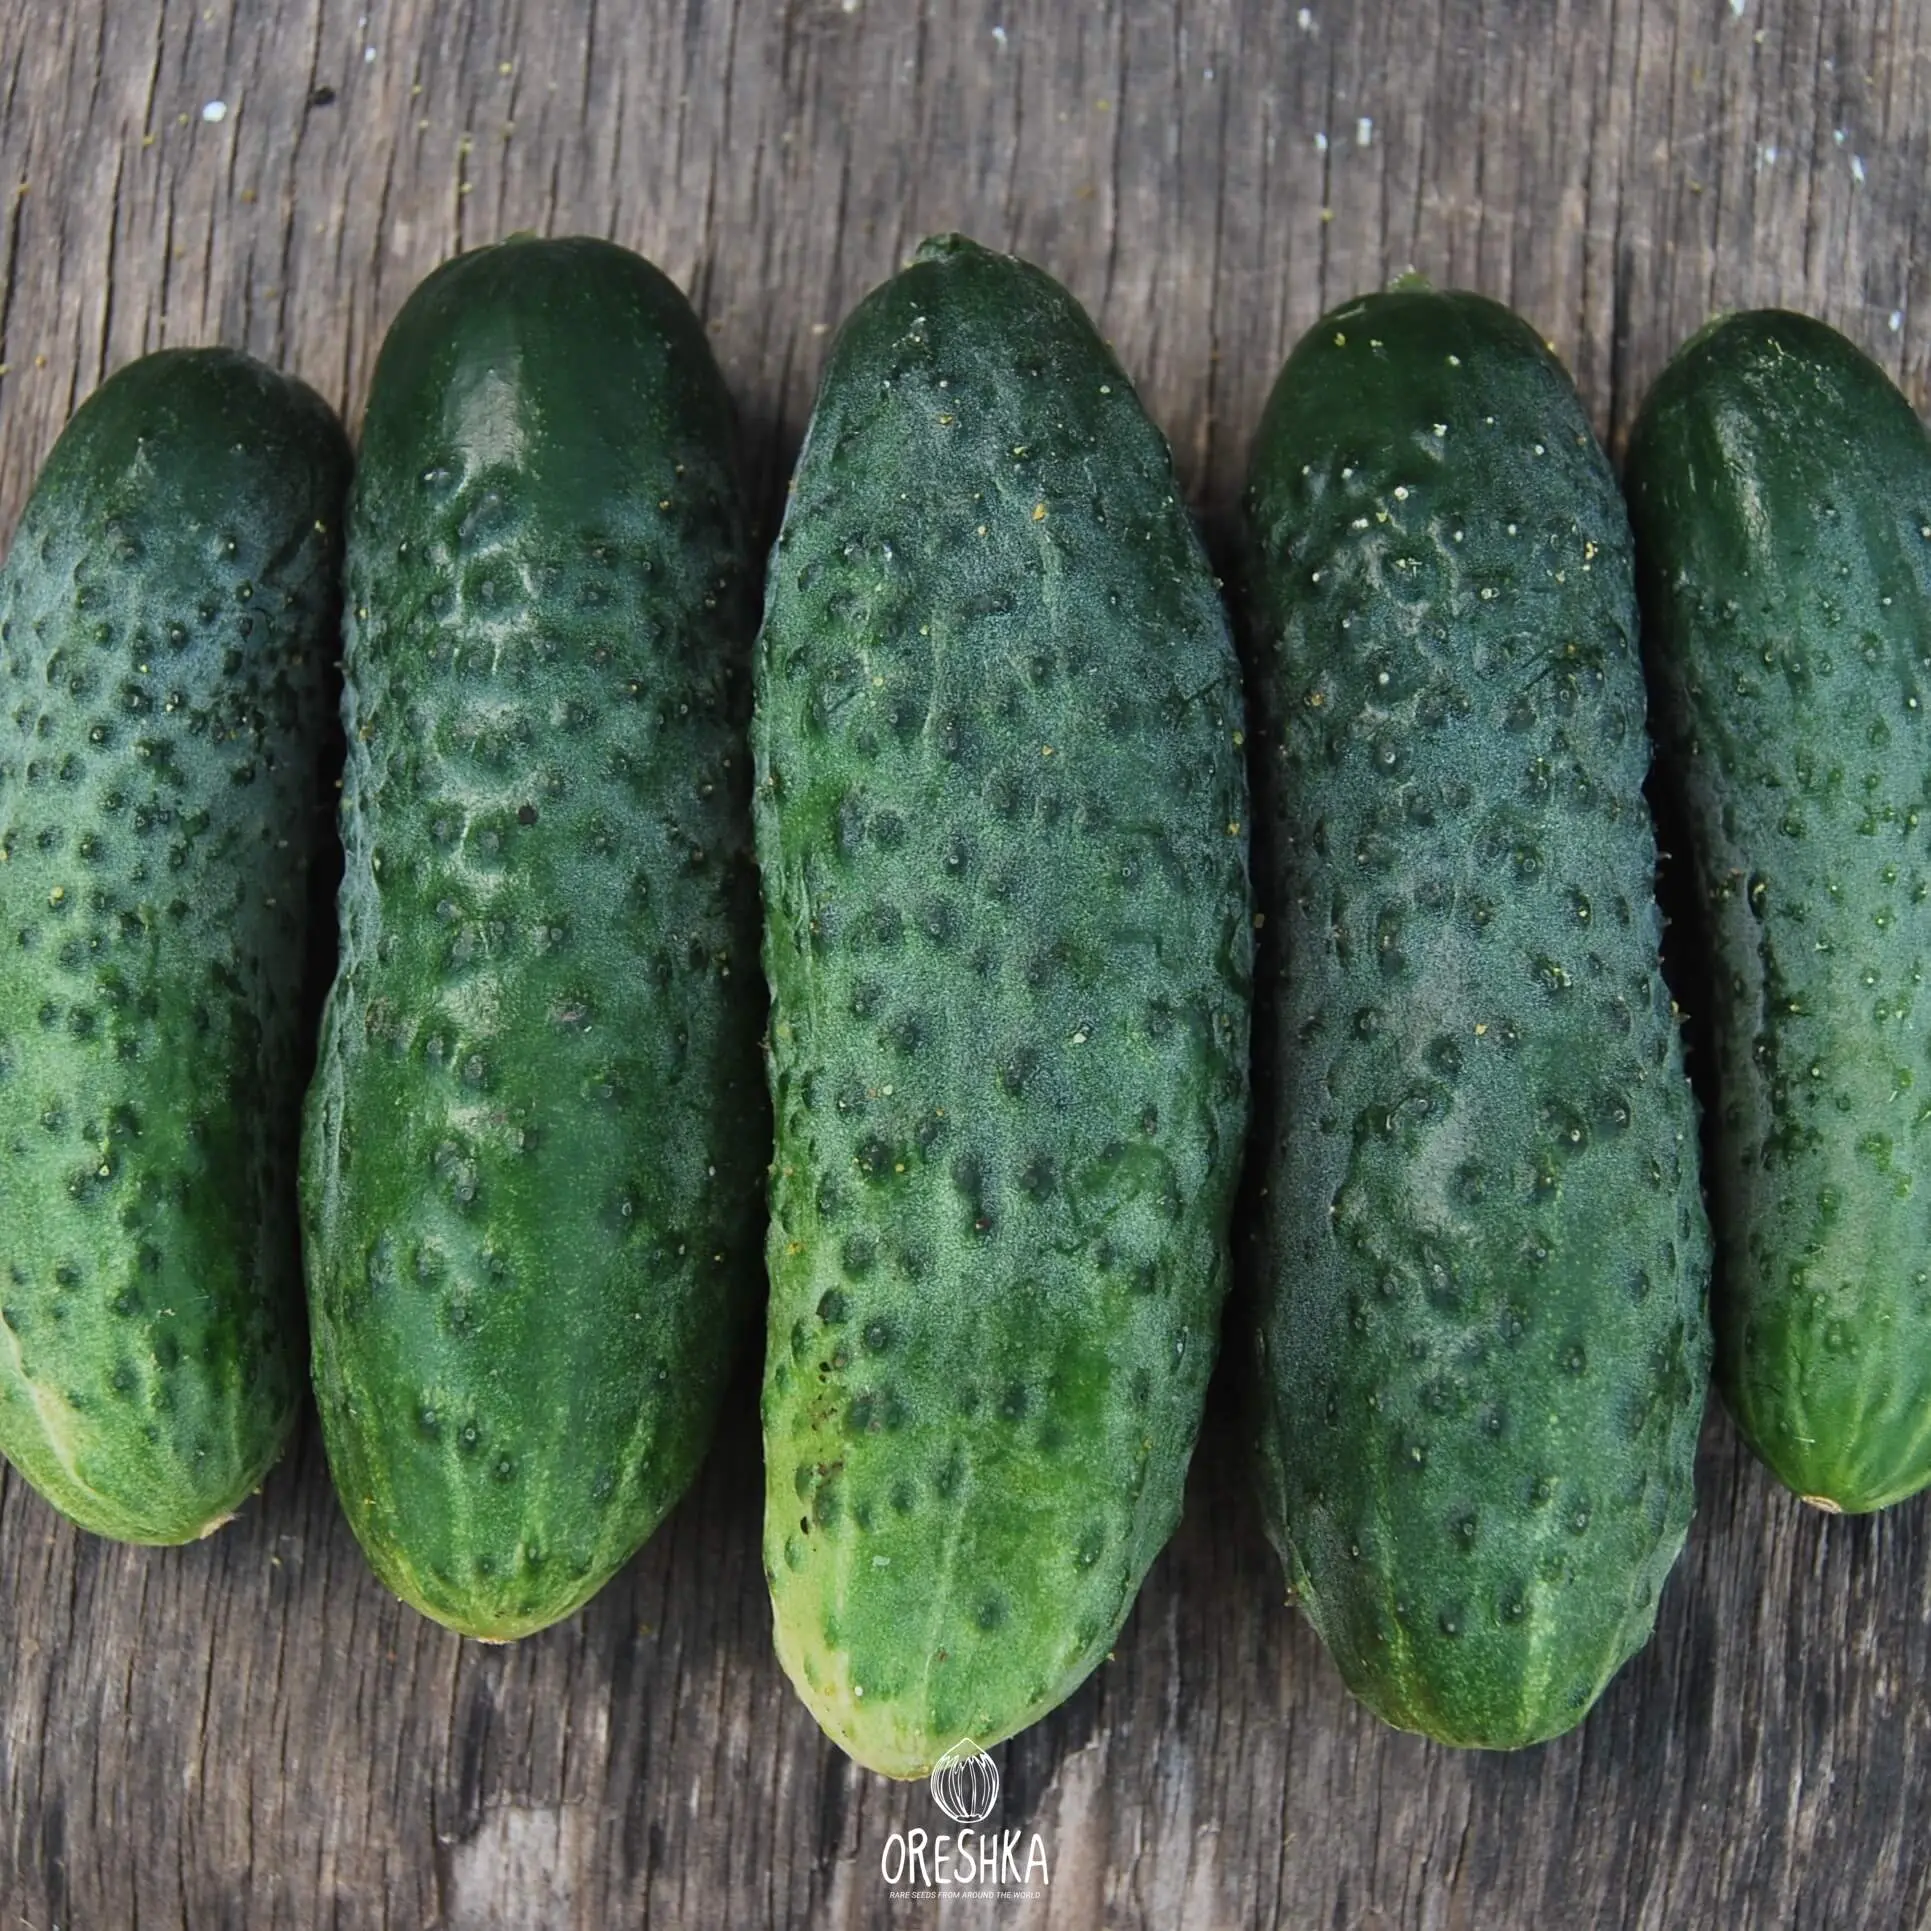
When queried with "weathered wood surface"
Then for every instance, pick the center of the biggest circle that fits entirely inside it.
(250, 1732)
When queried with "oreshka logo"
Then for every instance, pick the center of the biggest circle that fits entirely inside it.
(968, 1861)
(965, 1783)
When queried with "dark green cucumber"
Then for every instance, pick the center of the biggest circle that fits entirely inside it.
(1484, 1348)
(1781, 493)
(1002, 826)
(533, 1168)
(166, 628)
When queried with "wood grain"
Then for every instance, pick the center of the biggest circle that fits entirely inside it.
(250, 1732)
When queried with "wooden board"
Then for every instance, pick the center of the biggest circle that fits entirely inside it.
(250, 1732)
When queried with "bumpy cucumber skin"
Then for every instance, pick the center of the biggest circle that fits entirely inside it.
(1780, 488)
(167, 620)
(533, 1169)
(1001, 820)
(1483, 1338)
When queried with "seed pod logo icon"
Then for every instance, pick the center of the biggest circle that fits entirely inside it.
(965, 1783)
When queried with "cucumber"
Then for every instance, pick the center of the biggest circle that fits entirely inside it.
(1001, 826)
(533, 1166)
(1781, 492)
(1483, 1255)
(166, 630)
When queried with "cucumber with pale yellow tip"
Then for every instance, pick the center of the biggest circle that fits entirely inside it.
(167, 619)
(1002, 828)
